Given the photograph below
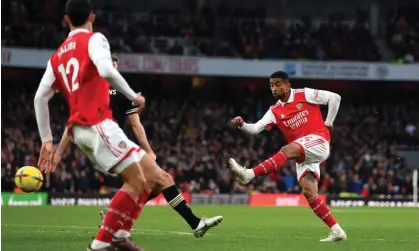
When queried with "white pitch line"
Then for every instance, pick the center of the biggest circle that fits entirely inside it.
(157, 231)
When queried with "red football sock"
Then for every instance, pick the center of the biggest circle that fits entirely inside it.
(117, 216)
(322, 210)
(137, 210)
(271, 164)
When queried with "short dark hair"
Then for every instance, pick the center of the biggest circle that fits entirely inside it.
(78, 11)
(280, 74)
(114, 59)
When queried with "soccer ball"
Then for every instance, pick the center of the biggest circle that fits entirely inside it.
(29, 179)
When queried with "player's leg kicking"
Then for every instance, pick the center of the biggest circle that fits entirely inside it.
(309, 152)
(107, 146)
(165, 185)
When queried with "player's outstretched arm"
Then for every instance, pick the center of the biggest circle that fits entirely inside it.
(100, 54)
(41, 100)
(254, 128)
(138, 129)
(62, 147)
(322, 97)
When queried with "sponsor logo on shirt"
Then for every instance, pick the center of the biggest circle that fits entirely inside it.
(297, 120)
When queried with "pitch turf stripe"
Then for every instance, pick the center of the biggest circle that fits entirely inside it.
(157, 231)
(95, 228)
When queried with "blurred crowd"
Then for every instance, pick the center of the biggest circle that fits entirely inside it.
(191, 136)
(403, 33)
(219, 31)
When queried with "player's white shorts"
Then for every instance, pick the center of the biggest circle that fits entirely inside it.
(315, 150)
(107, 146)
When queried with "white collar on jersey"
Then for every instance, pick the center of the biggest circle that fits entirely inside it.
(73, 32)
(290, 99)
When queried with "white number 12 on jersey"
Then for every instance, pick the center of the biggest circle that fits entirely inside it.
(73, 62)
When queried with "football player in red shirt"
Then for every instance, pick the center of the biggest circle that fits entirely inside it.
(297, 115)
(82, 70)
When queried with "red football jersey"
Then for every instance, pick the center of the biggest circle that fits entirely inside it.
(77, 78)
(299, 116)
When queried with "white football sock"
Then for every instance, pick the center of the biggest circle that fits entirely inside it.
(96, 244)
(250, 174)
(122, 234)
(336, 228)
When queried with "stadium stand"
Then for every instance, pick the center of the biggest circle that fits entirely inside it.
(207, 31)
(403, 33)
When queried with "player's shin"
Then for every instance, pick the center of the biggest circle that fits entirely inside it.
(118, 215)
(309, 189)
(175, 199)
(154, 193)
(149, 169)
(270, 165)
(179, 204)
(135, 214)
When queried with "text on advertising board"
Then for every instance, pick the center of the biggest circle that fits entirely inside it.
(158, 64)
(184, 65)
(170, 64)
(336, 70)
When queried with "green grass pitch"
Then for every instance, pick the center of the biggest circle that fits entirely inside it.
(244, 229)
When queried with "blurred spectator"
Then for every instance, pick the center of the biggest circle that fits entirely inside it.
(403, 33)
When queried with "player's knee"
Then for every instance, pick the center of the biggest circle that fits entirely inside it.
(150, 170)
(165, 179)
(140, 179)
(291, 150)
(309, 185)
(309, 192)
(308, 189)
(152, 175)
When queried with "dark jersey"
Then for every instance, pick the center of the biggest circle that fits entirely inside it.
(121, 108)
